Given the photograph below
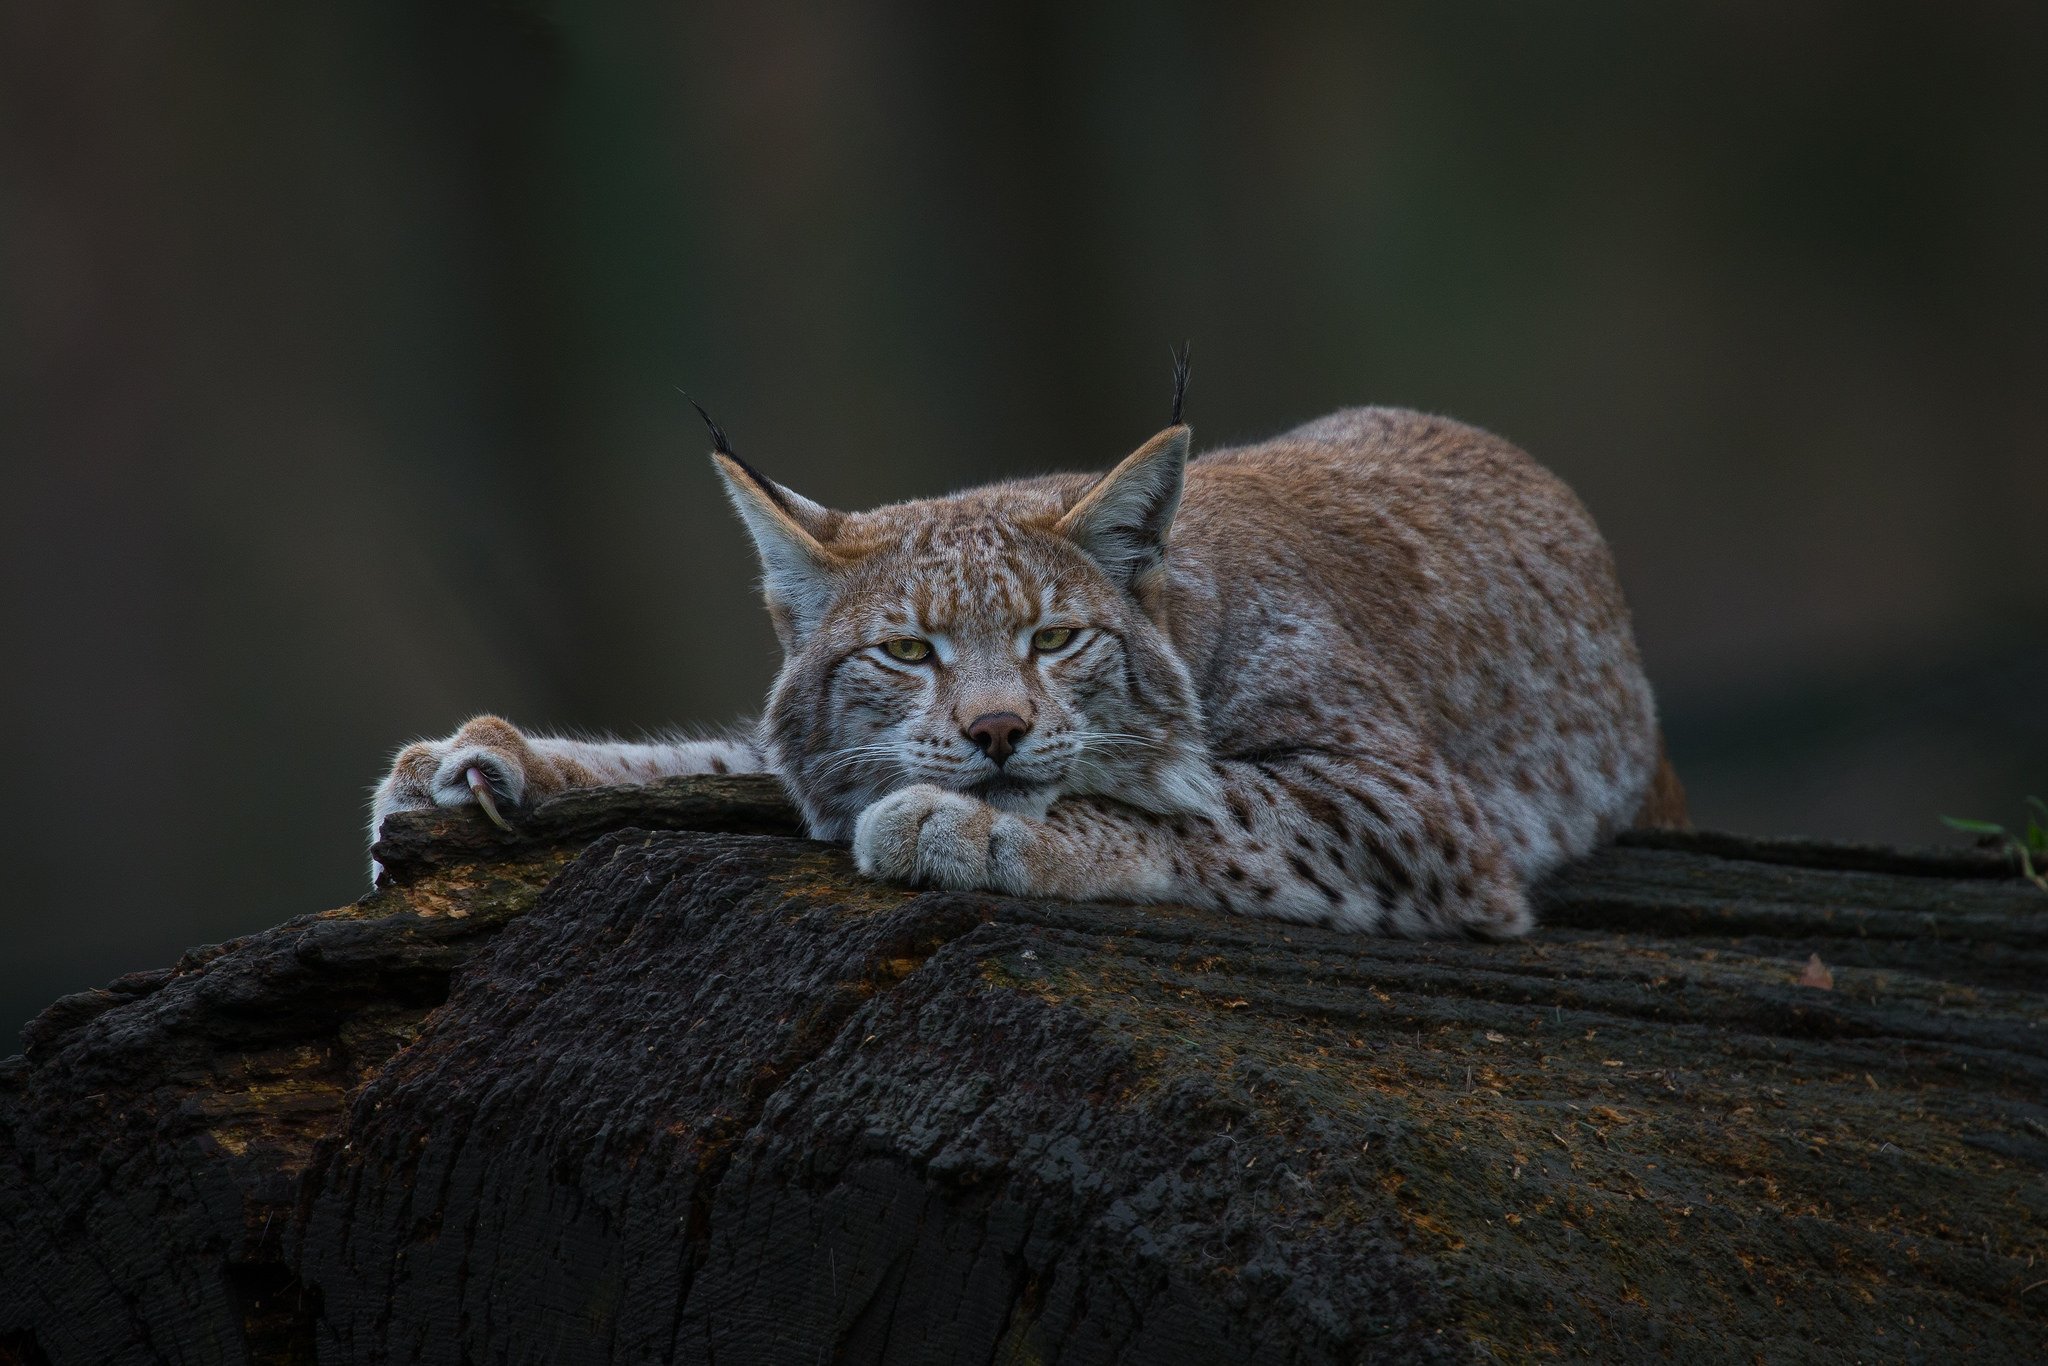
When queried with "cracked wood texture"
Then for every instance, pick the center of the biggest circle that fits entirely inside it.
(657, 1081)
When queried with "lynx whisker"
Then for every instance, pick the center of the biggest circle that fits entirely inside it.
(845, 758)
(1087, 742)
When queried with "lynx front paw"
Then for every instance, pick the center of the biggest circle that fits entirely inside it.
(487, 763)
(929, 837)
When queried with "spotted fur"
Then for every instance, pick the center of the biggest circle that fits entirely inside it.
(1375, 673)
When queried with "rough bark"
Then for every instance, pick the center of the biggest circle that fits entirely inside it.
(658, 1082)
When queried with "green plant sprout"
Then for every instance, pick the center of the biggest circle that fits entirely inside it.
(2031, 847)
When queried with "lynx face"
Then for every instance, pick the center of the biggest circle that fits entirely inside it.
(1000, 644)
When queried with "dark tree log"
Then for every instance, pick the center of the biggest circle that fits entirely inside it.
(657, 1082)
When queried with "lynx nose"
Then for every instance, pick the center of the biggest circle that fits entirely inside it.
(997, 733)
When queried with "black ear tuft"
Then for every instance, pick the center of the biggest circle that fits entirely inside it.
(718, 441)
(761, 481)
(1180, 381)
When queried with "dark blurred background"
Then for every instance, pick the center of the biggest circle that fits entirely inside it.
(342, 343)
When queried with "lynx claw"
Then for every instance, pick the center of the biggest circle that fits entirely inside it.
(481, 786)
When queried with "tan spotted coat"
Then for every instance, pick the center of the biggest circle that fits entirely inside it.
(1375, 673)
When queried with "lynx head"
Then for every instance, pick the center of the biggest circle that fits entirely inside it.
(1006, 642)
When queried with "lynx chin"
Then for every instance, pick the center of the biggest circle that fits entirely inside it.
(1375, 673)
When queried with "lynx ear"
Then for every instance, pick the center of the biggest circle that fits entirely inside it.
(788, 530)
(1121, 523)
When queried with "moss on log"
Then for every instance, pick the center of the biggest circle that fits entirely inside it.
(657, 1081)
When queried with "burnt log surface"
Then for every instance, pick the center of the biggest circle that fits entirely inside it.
(657, 1081)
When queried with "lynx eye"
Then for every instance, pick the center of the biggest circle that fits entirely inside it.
(1052, 638)
(908, 649)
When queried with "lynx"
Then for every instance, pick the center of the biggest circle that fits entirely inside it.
(1374, 674)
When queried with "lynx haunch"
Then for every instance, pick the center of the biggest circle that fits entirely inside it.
(1375, 673)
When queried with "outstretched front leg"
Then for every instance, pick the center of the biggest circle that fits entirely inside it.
(491, 763)
(1353, 842)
